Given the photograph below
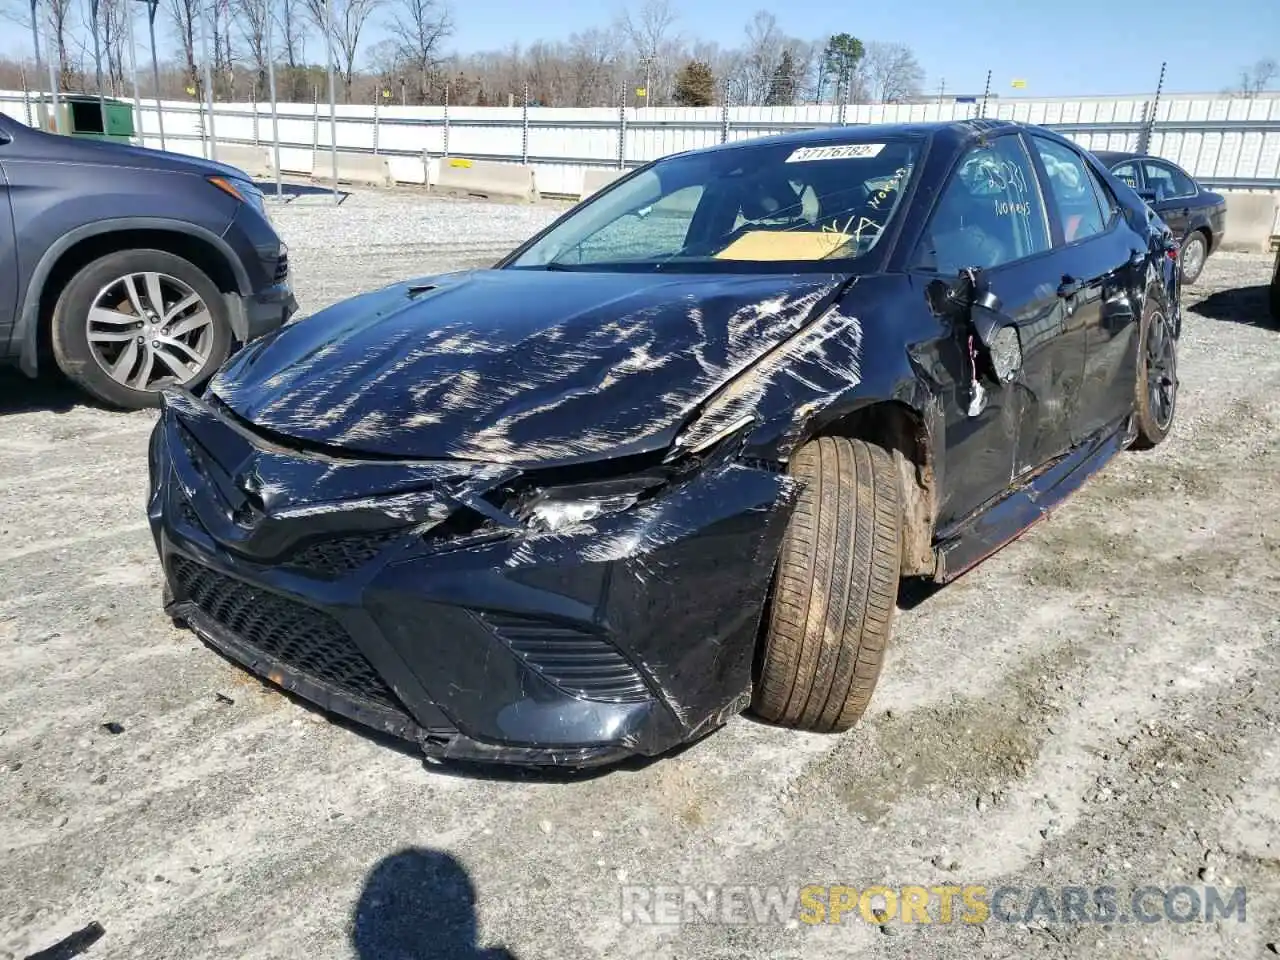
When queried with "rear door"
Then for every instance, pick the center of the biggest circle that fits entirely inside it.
(1097, 253)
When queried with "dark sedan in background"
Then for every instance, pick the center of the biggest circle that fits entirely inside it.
(1196, 216)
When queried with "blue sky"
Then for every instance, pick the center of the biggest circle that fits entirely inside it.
(1060, 47)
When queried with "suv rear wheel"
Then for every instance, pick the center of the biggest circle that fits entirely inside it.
(135, 321)
(836, 588)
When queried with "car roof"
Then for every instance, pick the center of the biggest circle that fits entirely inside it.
(1115, 156)
(958, 131)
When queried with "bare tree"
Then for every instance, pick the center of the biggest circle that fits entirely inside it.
(349, 20)
(293, 42)
(593, 67)
(253, 16)
(654, 44)
(760, 59)
(890, 72)
(111, 20)
(55, 27)
(420, 28)
(183, 14)
(1257, 78)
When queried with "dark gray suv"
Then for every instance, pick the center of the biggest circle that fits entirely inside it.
(131, 269)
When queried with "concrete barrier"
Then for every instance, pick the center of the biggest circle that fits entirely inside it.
(1252, 218)
(593, 181)
(487, 179)
(255, 161)
(354, 168)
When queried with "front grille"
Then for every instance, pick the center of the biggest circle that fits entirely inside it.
(282, 268)
(580, 663)
(304, 639)
(340, 555)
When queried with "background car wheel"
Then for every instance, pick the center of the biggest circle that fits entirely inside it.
(1192, 256)
(1156, 385)
(836, 589)
(135, 321)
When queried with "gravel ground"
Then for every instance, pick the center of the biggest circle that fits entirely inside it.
(1097, 704)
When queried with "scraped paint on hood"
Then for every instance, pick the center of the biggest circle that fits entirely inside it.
(517, 367)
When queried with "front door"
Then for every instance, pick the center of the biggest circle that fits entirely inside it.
(991, 215)
(1175, 192)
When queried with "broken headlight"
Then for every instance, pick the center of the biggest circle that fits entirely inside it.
(559, 508)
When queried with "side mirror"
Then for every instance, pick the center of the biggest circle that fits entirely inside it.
(971, 295)
(1002, 341)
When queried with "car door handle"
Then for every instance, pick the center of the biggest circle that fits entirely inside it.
(1069, 287)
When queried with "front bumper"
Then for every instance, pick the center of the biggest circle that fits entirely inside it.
(263, 311)
(396, 594)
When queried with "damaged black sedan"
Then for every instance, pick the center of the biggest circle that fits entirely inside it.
(671, 458)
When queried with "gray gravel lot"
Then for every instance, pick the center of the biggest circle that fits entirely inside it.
(1097, 704)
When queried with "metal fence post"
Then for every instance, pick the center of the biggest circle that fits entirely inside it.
(208, 83)
(375, 119)
(315, 126)
(275, 120)
(445, 152)
(41, 112)
(26, 101)
(253, 99)
(524, 128)
(133, 75)
(724, 114)
(333, 102)
(152, 6)
(52, 56)
(1144, 141)
(622, 128)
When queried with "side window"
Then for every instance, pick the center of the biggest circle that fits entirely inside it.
(1073, 189)
(1166, 181)
(1127, 172)
(989, 213)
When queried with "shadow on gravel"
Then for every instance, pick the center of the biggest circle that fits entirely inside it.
(1247, 305)
(20, 394)
(419, 904)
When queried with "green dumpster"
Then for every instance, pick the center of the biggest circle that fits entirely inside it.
(82, 115)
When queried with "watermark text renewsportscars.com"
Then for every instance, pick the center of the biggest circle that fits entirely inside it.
(813, 904)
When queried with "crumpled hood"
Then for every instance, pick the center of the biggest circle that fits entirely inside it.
(518, 367)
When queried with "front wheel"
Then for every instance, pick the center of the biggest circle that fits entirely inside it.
(836, 588)
(135, 321)
(1156, 384)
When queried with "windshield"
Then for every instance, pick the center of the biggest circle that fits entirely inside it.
(773, 205)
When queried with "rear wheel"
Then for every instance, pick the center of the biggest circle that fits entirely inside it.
(836, 588)
(1195, 250)
(1156, 385)
(135, 321)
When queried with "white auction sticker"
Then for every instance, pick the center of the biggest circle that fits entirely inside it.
(843, 151)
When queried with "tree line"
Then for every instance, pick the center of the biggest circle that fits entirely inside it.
(398, 51)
